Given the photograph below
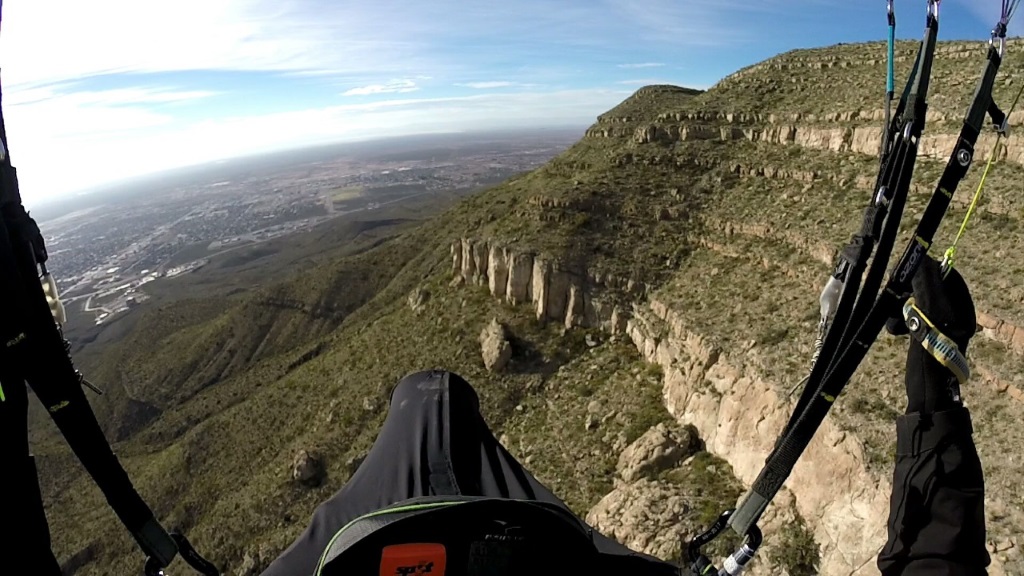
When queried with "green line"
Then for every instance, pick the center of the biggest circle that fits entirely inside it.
(323, 557)
(2, 397)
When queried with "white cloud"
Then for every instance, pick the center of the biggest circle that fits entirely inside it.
(144, 95)
(394, 86)
(136, 95)
(393, 38)
(488, 85)
(644, 82)
(642, 65)
(44, 116)
(131, 36)
(64, 141)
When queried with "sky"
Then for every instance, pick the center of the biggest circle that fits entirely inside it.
(98, 91)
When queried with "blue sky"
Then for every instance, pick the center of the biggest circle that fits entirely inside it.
(102, 90)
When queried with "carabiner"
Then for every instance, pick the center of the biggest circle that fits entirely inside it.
(701, 540)
(933, 9)
(736, 562)
(999, 37)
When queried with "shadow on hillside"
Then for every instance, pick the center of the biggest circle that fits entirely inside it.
(527, 359)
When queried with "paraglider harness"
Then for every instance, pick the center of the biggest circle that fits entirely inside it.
(458, 535)
(36, 352)
(854, 309)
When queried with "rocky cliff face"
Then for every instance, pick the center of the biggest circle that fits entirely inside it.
(739, 415)
(774, 163)
(808, 131)
(520, 277)
(735, 410)
(645, 510)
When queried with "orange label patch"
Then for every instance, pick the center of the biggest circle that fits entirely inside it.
(413, 560)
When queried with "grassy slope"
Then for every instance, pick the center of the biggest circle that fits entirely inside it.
(600, 205)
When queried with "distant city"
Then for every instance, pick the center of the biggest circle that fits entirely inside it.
(103, 255)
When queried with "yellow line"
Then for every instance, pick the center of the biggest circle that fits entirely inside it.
(948, 258)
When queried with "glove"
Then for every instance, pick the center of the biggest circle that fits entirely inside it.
(941, 319)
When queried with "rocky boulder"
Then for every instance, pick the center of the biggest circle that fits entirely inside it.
(645, 515)
(660, 448)
(307, 469)
(418, 299)
(494, 346)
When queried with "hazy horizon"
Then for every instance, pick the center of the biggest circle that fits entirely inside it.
(47, 209)
(136, 88)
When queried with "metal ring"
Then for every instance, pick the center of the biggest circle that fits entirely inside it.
(963, 156)
(998, 39)
(914, 324)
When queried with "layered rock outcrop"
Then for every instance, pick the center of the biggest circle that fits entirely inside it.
(556, 293)
(734, 410)
(652, 514)
(1002, 331)
(857, 139)
(739, 414)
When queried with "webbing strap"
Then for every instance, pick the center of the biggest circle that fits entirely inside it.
(856, 338)
(891, 192)
(890, 80)
(806, 421)
(782, 460)
(890, 83)
(854, 258)
(940, 346)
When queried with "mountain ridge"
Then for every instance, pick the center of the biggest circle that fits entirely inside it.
(668, 265)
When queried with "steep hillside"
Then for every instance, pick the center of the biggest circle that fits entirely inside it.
(663, 271)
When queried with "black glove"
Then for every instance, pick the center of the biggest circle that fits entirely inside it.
(947, 304)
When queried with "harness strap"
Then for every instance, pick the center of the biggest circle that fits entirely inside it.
(780, 464)
(881, 224)
(840, 293)
(890, 81)
(839, 297)
(864, 327)
(940, 346)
